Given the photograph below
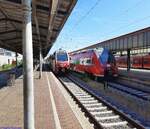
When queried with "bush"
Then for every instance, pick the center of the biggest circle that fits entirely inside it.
(6, 67)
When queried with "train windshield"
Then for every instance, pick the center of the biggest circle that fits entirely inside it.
(103, 57)
(62, 57)
(106, 57)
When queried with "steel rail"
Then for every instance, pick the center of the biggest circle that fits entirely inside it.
(96, 123)
(139, 93)
(92, 119)
(136, 80)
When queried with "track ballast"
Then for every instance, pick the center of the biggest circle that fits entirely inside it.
(102, 114)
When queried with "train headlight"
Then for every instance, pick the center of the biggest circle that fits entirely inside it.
(108, 65)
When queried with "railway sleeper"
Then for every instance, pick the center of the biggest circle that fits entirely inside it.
(97, 109)
(76, 89)
(120, 127)
(93, 105)
(111, 124)
(106, 117)
(102, 112)
(78, 92)
(87, 99)
(89, 102)
(84, 96)
(80, 95)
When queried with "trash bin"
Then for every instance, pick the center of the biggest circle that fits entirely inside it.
(11, 79)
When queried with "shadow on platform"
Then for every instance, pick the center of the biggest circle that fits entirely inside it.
(45, 68)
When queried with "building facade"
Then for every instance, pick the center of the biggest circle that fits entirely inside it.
(8, 57)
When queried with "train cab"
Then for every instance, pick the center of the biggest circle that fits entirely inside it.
(61, 61)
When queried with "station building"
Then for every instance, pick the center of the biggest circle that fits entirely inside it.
(8, 57)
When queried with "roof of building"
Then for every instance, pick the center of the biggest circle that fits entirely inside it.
(48, 15)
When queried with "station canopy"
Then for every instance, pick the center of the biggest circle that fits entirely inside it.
(48, 19)
(139, 39)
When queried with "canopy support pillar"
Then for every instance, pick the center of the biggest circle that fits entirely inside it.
(28, 86)
(128, 60)
(16, 59)
(40, 71)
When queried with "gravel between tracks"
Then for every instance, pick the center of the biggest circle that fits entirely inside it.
(132, 103)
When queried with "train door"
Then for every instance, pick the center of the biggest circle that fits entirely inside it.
(137, 62)
(146, 62)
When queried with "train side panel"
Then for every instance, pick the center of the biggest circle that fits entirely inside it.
(90, 62)
(146, 62)
(137, 61)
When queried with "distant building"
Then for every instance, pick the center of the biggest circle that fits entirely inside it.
(7, 57)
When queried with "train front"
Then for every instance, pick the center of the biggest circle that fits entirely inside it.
(108, 62)
(62, 61)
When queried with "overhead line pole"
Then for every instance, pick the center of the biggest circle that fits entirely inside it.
(28, 89)
(16, 59)
(39, 38)
(128, 60)
(41, 62)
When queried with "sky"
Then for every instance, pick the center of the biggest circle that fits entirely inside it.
(93, 21)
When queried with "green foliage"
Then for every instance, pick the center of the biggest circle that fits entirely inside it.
(7, 67)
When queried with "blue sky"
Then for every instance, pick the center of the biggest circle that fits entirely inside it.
(108, 19)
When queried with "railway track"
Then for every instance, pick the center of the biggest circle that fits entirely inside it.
(136, 80)
(101, 113)
(137, 92)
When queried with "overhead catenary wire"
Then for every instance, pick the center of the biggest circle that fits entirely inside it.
(129, 24)
(130, 8)
(132, 22)
(97, 2)
(86, 14)
(83, 17)
(92, 8)
(122, 13)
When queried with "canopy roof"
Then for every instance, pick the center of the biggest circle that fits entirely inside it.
(135, 40)
(48, 18)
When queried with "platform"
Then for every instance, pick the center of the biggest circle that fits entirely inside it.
(141, 74)
(47, 95)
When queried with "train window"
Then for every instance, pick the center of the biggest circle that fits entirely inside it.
(62, 57)
(81, 61)
(88, 61)
(136, 62)
(146, 62)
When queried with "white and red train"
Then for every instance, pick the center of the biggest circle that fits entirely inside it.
(97, 62)
(137, 61)
(60, 61)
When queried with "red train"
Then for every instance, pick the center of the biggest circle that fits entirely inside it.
(137, 61)
(60, 61)
(98, 62)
